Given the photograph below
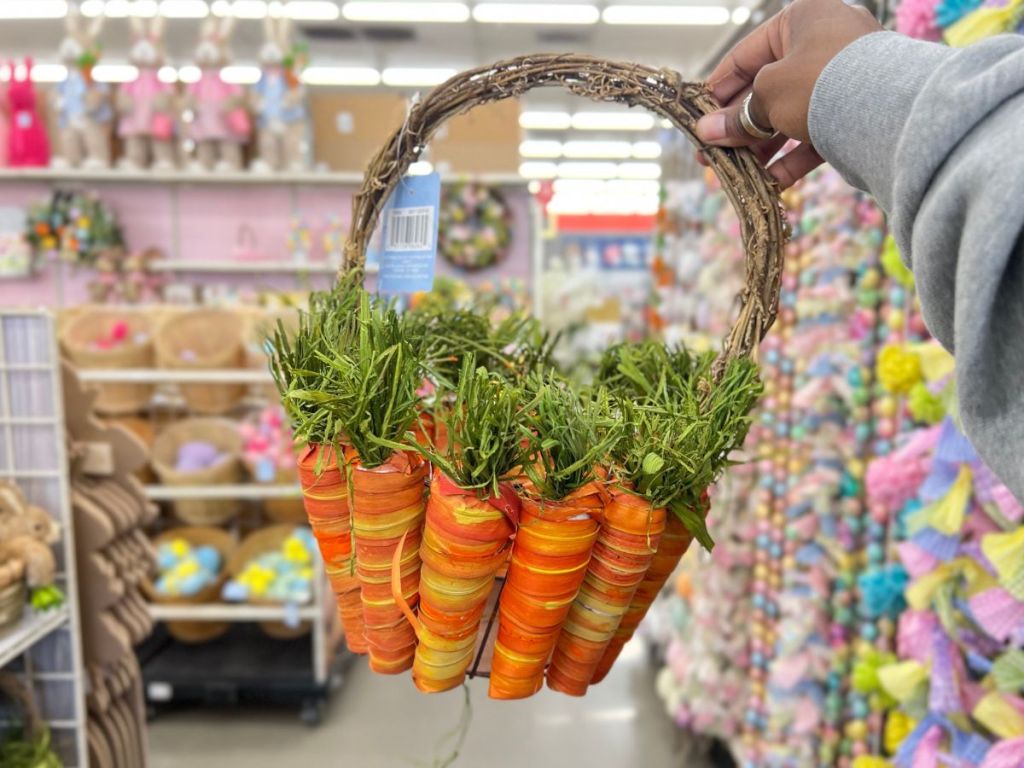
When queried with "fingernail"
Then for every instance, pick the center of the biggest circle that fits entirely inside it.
(711, 128)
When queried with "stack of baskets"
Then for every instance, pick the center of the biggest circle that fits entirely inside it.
(79, 339)
(196, 536)
(222, 434)
(204, 339)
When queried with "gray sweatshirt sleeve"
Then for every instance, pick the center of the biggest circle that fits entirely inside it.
(937, 136)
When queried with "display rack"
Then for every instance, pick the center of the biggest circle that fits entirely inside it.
(44, 648)
(174, 672)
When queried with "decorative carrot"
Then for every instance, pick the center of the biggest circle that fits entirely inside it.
(325, 497)
(471, 517)
(562, 509)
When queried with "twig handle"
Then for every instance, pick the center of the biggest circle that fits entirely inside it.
(753, 193)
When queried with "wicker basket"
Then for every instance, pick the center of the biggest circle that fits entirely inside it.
(204, 339)
(79, 334)
(34, 729)
(12, 604)
(263, 540)
(219, 432)
(196, 631)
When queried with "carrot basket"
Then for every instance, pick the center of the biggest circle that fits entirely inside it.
(504, 585)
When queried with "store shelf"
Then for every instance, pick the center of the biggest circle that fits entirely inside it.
(32, 628)
(250, 267)
(214, 178)
(162, 375)
(232, 612)
(240, 491)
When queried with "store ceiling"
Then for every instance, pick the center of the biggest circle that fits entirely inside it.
(383, 45)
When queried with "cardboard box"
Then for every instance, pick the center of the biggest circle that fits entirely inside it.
(485, 140)
(349, 128)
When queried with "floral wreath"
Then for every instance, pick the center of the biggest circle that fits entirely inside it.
(475, 226)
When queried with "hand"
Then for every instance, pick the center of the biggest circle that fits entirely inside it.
(779, 63)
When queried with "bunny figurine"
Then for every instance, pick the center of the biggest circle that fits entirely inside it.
(220, 123)
(145, 104)
(279, 101)
(27, 142)
(83, 105)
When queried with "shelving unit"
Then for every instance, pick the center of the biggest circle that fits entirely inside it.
(44, 648)
(251, 267)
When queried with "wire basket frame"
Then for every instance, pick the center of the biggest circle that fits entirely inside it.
(752, 191)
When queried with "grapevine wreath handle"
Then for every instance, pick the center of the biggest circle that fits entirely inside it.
(753, 193)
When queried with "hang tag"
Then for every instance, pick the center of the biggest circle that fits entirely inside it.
(408, 244)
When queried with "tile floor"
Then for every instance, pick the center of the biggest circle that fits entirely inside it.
(381, 722)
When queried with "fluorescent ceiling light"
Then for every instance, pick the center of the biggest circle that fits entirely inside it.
(384, 10)
(311, 10)
(646, 150)
(420, 168)
(46, 73)
(535, 13)
(167, 75)
(540, 148)
(91, 8)
(115, 73)
(240, 74)
(324, 75)
(660, 15)
(240, 9)
(414, 76)
(741, 15)
(586, 170)
(189, 73)
(545, 121)
(612, 121)
(612, 149)
(184, 9)
(640, 188)
(33, 9)
(639, 171)
(538, 170)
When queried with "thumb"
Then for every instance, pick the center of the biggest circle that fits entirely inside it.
(723, 128)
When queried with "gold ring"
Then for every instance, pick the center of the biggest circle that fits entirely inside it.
(753, 130)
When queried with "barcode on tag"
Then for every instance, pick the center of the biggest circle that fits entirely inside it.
(410, 229)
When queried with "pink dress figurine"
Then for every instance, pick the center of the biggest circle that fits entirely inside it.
(28, 144)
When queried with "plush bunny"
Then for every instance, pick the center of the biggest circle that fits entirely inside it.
(83, 106)
(280, 102)
(26, 533)
(220, 122)
(27, 141)
(145, 104)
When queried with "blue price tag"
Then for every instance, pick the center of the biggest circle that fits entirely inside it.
(408, 244)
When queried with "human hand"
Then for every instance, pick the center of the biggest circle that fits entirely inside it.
(778, 64)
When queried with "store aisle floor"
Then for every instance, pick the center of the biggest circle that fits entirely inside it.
(380, 722)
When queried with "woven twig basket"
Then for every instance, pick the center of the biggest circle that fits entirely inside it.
(78, 340)
(23, 702)
(753, 193)
(194, 632)
(268, 539)
(224, 435)
(204, 339)
(751, 190)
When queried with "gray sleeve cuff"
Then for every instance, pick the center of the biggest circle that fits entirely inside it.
(861, 102)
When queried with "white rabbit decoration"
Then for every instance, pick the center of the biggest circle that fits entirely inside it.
(84, 112)
(279, 101)
(146, 103)
(220, 123)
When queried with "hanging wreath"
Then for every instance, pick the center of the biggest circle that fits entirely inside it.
(475, 226)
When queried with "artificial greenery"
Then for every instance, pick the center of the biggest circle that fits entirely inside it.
(647, 372)
(297, 360)
(371, 386)
(568, 436)
(484, 423)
